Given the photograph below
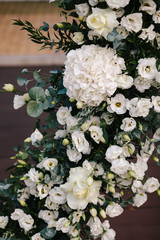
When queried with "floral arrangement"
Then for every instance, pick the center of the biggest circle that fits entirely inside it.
(89, 159)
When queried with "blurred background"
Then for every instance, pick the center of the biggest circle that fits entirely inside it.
(18, 52)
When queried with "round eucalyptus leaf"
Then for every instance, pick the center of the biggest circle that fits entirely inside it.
(34, 109)
(48, 233)
(37, 93)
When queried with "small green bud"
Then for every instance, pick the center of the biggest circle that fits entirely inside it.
(93, 212)
(60, 25)
(131, 173)
(103, 213)
(111, 189)
(156, 159)
(90, 181)
(110, 176)
(65, 142)
(126, 138)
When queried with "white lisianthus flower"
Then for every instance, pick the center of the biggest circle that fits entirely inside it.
(88, 166)
(157, 134)
(47, 215)
(124, 81)
(114, 210)
(26, 222)
(37, 236)
(95, 226)
(157, 77)
(108, 117)
(73, 154)
(151, 185)
(93, 35)
(79, 193)
(132, 22)
(156, 103)
(122, 31)
(80, 142)
(117, 4)
(142, 84)
(139, 199)
(34, 175)
(28, 182)
(102, 21)
(90, 73)
(50, 163)
(120, 166)
(57, 195)
(113, 152)
(128, 149)
(158, 39)
(96, 133)
(93, 2)
(78, 38)
(148, 33)
(3, 221)
(60, 225)
(62, 114)
(139, 107)
(148, 6)
(60, 134)
(44, 189)
(50, 204)
(17, 214)
(139, 168)
(36, 136)
(147, 68)
(110, 234)
(117, 104)
(137, 187)
(71, 123)
(82, 9)
(128, 124)
(156, 17)
(18, 101)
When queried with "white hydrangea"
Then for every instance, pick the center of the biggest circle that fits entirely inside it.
(114, 210)
(147, 68)
(128, 124)
(91, 72)
(132, 22)
(117, 4)
(102, 21)
(148, 6)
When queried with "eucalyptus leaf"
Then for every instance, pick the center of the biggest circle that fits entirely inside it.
(37, 76)
(37, 94)
(35, 109)
(21, 81)
(48, 233)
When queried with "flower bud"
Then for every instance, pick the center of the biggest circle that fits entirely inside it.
(126, 138)
(121, 192)
(156, 159)
(53, 145)
(60, 25)
(27, 140)
(8, 87)
(111, 189)
(24, 178)
(72, 100)
(80, 104)
(22, 162)
(53, 102)
(158, 192)
(80, 18)
(20, 152)
(103, 213)
(140, 126)
(110, 176)
(85, 127)
(14, 157)
(93, 212)
(84, 216)
(26, 97)
(41, 175)
(23, 203)
(90, 181)
(65, 142)
(130, 150)
(131, 173)
(102, 140)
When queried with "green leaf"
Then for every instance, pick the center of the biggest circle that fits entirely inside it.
(37, 94)
(21, 81)
(62, 91)
(48, 233)
(45, 27)
(35, 109)
(25, 70)
(37, 76)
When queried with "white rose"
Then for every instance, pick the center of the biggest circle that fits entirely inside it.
(37, 236)
(96, 133)
(57, 195)
(26, 222)
(60, 225)
(78, 38)
(114, 210)
(17, 214)
(156, 103)
(18, 101)
(113, 152)
(82, 9)
(60, 134)
(118, 104)
(148, 6)
(148, 33)
(108, 117)
(139, 199)
(132, 22)
(79, 193)
(156, 17)
(3, 221)
(73, 154)
(50, 204)
(137, 187)
(109, 235)
(157, 134)
(80, 142)
(120, 166)
(36, 136)
(117, 4)
(50, 163)
(142, 84)
(102, 21)
(151, 185)
(47, 215)
(62, 114)
(124, 81)
(147, 68)
(128, 124)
